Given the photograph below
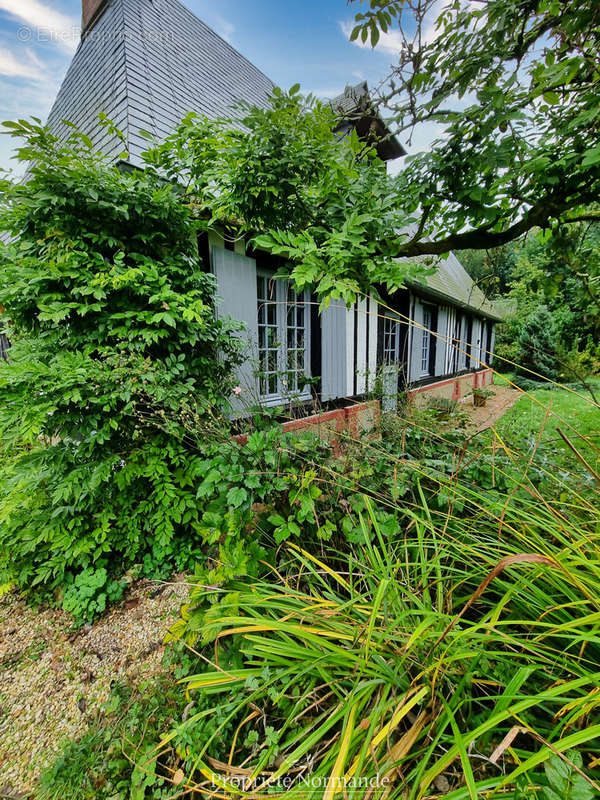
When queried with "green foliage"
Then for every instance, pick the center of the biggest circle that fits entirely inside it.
(565, 779)
(513, 88)
(377, 667)
(538, 346)
(450, 601)
(90, 592)
(281, 174)
(560, 271)
(115, 349)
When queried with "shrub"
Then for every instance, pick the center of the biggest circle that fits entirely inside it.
(115, 346)
(413, 663)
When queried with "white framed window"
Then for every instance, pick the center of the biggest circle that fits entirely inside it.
(391, 341)
(426, 340)
(283, 340)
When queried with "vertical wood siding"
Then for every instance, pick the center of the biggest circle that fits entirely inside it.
(414, 362)
(462, 351)
(475, 343)
(349, 339)
(361, 346)
(372, 322)
(441, 350)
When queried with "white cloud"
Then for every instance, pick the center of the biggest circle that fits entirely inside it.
(218, 23)
(15, 68)
(42, 23)
(390, 42)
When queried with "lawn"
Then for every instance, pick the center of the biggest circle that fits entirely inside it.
(534, 422)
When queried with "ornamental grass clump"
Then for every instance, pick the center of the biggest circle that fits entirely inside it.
(454, 654)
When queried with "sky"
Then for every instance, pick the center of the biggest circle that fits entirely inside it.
(305, 42)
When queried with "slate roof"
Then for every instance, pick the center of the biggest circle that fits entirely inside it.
(145, 64)
(452, 283)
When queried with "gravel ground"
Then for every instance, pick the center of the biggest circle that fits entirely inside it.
(52, 678)
(496, 406)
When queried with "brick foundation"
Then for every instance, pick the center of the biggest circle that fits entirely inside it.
(351, 421)
(452, 388)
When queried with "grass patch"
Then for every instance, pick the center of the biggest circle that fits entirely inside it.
(534, 423)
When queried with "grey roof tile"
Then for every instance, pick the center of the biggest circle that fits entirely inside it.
(164, 61)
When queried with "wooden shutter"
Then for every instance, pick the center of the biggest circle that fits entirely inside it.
(236, 298)
(333, 353)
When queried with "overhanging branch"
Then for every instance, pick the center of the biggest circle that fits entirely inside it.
(484, 239)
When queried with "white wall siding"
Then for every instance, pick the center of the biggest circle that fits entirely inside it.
(361, 346)
(349, 352)
(462, 348)
(475, 343)
(492, 345)
(373, 323)
(416, 343)
(483, 344)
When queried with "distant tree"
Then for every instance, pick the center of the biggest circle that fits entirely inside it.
(538, 346)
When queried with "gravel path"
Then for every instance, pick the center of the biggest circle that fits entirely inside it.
(497, 405)
(52, 678)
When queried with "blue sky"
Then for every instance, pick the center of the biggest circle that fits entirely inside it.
(291, 42)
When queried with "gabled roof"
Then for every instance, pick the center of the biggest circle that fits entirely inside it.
(355, 109)
(145, 64)
(451, 282)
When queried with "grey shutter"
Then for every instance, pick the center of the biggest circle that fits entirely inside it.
(441, 342)
(416, 346)
(236, 298)
(333, 351)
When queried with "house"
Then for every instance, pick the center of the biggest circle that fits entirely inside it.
(145, 64)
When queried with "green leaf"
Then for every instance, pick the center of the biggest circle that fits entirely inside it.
(552, 98)
(565, 782)
(591, 157)
(236, 496)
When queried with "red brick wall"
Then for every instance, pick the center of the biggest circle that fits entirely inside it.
(331, 425)
(452, 388)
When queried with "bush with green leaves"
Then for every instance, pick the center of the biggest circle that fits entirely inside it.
(115, 349)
